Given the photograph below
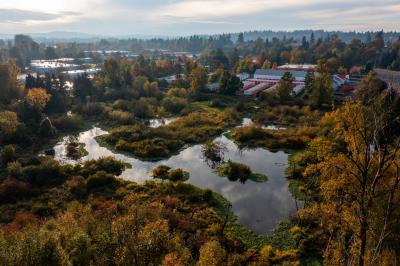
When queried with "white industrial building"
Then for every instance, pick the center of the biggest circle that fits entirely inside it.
(300, 67)
(75, 73)
(276, 74)
(243, 76)
(51, 66)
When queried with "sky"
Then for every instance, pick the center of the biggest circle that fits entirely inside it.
(187, 17)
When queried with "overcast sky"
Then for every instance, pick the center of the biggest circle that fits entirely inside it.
(185, 17)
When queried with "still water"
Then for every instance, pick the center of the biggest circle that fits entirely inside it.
(258, 206)
(155, 123)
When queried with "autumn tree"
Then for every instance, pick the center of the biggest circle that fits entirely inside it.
(359, 177)
(370, 89)
(211, 254)
(150, 89)
(24, 49)
(198, 80)
(9, 88)
(37, 98)
(246, 65)
(229, 84)
(116, 74)
(267, 64)
(8, 124)
(83, 87)
(285, 87)
(310, 77)
(322, 91)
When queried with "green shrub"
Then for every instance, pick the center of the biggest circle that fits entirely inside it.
(106, 164)
(176, 175)
(14, 169)
(90, 109)
(8, 154)
(156, 143)
(250, 133)
(216, 103)
(286, 115)
(100, 180)
(150, 148)
(76, 185)
(45, 174)
(12, 190)
(143, 108)
(160, 172)
(76, 150)
(120, 117)
(237, 171)
(164, 172)
(174, 104)
(68, 123)
(177, 92)
(123, 105)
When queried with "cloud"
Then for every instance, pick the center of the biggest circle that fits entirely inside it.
(221, 8)
(319, 9)
(280, 14)
(196, 16)
(19, 15)
(356, 16)
(178, 20)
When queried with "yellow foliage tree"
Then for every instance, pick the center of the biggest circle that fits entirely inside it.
(38, 98)
(211, 254)
(8, 123)
(359, 176)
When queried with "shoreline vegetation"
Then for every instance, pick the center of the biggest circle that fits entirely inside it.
(159, 143)
(343, 164)
(239, 172)
(288, 139)
(91, 191)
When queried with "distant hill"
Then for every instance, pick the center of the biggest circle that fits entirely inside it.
(6, 36)
(82, 37)
(62, 35)
(54, 35)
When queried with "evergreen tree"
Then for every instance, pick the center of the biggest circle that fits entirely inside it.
(240, 39)
(229, 84)
(285, 87)
(198, 80)
(310, 77)
(304, 44)
(83, 87)
(322, 91)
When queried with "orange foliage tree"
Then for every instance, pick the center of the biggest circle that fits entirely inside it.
(38, 98)
(359, 176)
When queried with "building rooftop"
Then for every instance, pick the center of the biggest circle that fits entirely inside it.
(82, 71)
(298, 67)
(280, 72)
(392, 78)
(51, 64)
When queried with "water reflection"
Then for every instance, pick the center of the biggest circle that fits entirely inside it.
(258, 205)
(156, 123)
(249, 122)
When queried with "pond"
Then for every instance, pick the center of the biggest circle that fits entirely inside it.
(258, 206)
